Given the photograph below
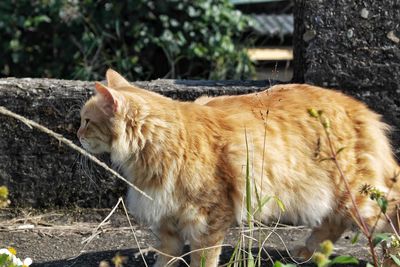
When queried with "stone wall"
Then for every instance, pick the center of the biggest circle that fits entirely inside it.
(351, 44)
(354, 46)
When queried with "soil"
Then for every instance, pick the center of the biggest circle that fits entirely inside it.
(61, 238)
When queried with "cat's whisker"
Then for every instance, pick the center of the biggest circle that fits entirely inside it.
(85, 167)
(81, 165)
(89, 167)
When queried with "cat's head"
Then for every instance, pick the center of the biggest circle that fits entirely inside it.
(103, 115)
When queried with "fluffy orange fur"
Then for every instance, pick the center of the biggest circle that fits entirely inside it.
(191, 157)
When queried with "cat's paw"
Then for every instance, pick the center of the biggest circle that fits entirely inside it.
(303, 253)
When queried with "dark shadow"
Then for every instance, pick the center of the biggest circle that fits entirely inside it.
(93, 259)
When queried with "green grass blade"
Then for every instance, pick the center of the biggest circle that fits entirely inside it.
(250, 259)
(235, 252)
(248, 182)
(203, 260)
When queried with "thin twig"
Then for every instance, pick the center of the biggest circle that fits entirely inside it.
(69, 143)
(95, 231)
(360, 219)
(133, 231)
(391, 225)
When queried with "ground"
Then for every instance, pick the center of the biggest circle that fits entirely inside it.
(76, 237)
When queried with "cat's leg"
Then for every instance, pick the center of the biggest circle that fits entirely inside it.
(171, 244)
(207, 248)
(206, 236)
(330, 229)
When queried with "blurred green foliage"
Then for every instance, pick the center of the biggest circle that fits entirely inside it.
(4, 202)
(142, 39)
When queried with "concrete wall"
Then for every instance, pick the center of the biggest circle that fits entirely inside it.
(352, 45)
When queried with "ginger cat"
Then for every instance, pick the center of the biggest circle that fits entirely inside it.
(191, 157)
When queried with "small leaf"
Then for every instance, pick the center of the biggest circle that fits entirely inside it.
(382, 203)
(395, 259)
(41, 18)
(340, 150)
(280, 264)
(355, 238)
(313, 112)
(3, 259)
(262, 203)
(344, 259)
(280, 204)
(324, 159)
(379, 238)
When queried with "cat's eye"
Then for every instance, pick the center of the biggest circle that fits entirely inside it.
(87, 121)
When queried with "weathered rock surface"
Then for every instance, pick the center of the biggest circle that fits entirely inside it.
(348, 44)
(353, 46)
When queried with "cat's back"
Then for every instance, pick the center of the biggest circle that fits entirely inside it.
(291, 103)
(285, 97)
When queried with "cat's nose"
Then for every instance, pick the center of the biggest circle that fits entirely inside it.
(80, 133)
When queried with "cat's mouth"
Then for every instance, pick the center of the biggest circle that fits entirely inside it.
(87, 145)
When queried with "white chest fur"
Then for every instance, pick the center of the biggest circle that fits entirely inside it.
(149, 211)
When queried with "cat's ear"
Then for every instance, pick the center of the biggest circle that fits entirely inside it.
(111, 100)
(115, 80)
